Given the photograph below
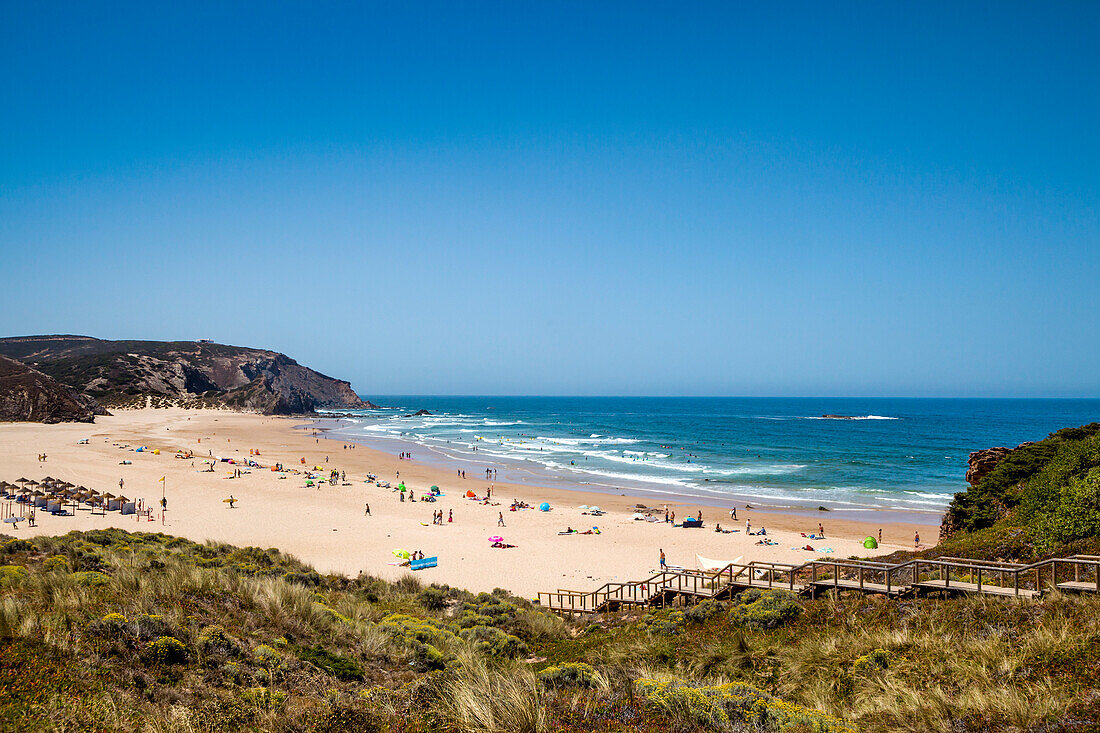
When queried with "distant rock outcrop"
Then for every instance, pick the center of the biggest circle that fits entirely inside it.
(981, 462)
(28, 395)
(185, 373)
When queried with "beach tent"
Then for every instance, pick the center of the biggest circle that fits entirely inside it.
(713, 565)
(403, 554)
(544, 506)
(870, 543)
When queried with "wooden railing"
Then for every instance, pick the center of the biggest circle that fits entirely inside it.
(946, 574)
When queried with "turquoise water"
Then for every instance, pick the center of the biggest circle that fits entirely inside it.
(897, 454)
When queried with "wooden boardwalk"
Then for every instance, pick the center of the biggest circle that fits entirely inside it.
(945, 575)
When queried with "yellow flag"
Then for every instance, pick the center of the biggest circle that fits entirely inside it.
(162, 478)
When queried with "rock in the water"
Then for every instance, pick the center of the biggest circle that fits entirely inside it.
(28, 395)
(421, 413)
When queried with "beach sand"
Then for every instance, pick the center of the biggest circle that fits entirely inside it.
(327, 527)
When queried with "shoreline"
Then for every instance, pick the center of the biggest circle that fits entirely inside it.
(326, 526)
(514, 473)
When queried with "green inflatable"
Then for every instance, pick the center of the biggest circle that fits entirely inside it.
(870, 543)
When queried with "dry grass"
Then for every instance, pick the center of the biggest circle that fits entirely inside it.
(481, 699)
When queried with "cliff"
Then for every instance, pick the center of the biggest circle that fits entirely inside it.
(27, 395)
(1035, 499)
(189, 373)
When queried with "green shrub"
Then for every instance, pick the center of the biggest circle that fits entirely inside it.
(213, 640)
(91, 578)
(423, 637)
(340, 667)
(432, 598)
(12, 575)
(13, 546)
(872, 663)
(733, 706)
(264, 654)
(701, 612)
(168, 650)
(56, 564)
(310, 579)
(492, 642)
(662, 623)
(570, 674)
(765, 609)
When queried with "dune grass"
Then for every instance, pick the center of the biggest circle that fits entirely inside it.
(130, 631)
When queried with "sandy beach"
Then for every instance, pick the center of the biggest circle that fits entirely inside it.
(327, 526)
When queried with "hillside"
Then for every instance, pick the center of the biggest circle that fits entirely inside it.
(1036, 500)
(27, 395)
(110, 630)
(132, 373)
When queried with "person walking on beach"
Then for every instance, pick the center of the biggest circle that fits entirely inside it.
(500, 519)
(733, 514)
(820, 530)
(663, 566)
(366, 509)
(880, 535)
(666, 515)
(916, 540)
(748, 526)
(450, 515)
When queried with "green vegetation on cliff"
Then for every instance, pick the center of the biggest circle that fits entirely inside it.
(1042, 499)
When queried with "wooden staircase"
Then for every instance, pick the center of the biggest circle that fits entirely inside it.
(945, 575)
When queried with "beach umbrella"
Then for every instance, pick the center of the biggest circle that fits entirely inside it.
(404, 554)
(22, 481)
(544, 506)
(583, 507)
(496, 538)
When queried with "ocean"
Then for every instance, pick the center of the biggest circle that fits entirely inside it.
(905, 455)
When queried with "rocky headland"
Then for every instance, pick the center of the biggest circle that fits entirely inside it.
(28, 395)
(181, 373)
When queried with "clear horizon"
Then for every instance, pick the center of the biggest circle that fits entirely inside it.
(567, 200)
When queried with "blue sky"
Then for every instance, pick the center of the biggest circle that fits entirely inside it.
(567, 198)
